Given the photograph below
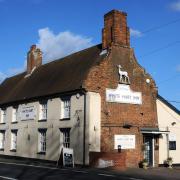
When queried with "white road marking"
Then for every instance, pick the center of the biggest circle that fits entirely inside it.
(31, 166)
(44, 167)
(135, 179)
(108, 175)
(4, 177)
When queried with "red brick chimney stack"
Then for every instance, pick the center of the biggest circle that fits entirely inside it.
(115, 29)
(34, 58)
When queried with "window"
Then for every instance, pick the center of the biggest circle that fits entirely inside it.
(3, 115)
(2, 140)
(42, 141)
(43, 111)
(172, 145)
(14, 115)
(65, 108)
(66, 137)
(13, 140)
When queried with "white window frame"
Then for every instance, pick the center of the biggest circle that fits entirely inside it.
(14, 114)
(14, 140)
(43, 111)
(65, 108)
(42, 140)
(2, 140)
(66, 137)
(3, 115)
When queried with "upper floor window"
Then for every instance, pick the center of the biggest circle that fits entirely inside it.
(3, 115)
(43, 111)
(14, 114)
(13, 140)
(42, 140)
(65, 108)
(2, 140)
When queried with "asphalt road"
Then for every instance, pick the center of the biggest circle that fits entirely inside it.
(13, 171)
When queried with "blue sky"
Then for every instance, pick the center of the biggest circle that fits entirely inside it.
(60, 27)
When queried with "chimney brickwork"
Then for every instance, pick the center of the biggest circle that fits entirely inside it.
(34, 58)
(115, 29)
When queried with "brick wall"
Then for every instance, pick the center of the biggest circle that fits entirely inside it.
(115, 29)
(115, 115)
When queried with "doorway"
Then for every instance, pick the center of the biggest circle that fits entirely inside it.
(148, 150)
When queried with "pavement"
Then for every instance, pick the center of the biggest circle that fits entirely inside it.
(21, 170)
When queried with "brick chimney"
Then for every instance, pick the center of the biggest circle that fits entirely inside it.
(34, 58)
(115, 29)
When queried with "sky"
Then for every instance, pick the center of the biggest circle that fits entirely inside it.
(60, 27)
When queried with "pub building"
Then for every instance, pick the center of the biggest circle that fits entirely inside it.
(98, 102)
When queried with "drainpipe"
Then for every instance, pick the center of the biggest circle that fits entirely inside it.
(167, 135)
(84, 130)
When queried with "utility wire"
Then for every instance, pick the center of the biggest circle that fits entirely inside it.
(178, 102)
(161, 26)
(172, 77)
(160, 49)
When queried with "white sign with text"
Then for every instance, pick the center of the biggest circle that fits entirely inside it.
(27, 112)
(172, 137)
(68, 157)
(125, 141)
(123, 94)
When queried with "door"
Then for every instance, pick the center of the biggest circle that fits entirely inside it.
(148, 151)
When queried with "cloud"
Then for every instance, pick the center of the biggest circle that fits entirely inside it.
(14, 71)
(175, 6)
(55, 46)
(11, 72)
(135, 33)
(2, 76)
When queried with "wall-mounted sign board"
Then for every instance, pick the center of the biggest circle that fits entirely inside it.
(123, 94)
(27, 112)
(172, 137)
(125, 141)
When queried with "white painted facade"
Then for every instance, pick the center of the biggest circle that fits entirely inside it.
(168, 120)
(27, 144)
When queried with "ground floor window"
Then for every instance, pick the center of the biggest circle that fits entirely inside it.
(66, 137)
(14, 140)
(172, 145)
(42, 140)
(2, 140)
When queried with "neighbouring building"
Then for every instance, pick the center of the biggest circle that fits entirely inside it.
(169, 122)
(100, 102)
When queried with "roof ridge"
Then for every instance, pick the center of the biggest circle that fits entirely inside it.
(74, 53)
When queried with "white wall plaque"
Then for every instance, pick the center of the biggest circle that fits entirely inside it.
(172, 137)
(27, 112)
(126, 141)
(123, 94)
